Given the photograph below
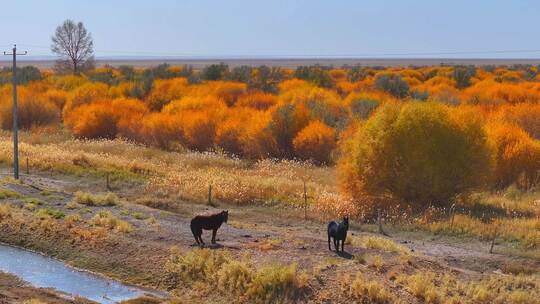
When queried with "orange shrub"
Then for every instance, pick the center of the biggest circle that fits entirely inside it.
(258, 100)
(315, 142)
(525, 115)
(318, 104)
(94, 120)
(85, 94)
(164, 91)
(57, 97)
(162, 130)
(293, 84)
(285, 122)
(193, 103)
(229, 134)
(199, 130)
(33, 109)
(68, 82)
(227, 91)
(257, 139)
(129, 113)
(490, 92)
(517, 156)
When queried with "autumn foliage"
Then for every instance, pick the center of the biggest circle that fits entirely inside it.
(417, 153)
(417, 133)
(316, 142)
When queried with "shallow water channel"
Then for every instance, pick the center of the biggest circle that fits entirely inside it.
(42, 271)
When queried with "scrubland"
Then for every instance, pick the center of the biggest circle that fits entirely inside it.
(120, 159)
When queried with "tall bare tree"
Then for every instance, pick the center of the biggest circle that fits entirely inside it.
(74, 44)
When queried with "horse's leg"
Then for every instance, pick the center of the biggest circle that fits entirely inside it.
(336, 244)
(214, 236)
(195, 236)
(329, 247)
(200, 238)
(342, 245)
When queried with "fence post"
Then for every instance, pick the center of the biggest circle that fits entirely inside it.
(210, 195)
(493, 240)
(305, 201)
(27, 166)
(452, 214)
(379, 220)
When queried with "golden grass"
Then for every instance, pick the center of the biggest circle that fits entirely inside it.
(437, 288)
(5, 211)
(88, 199)
(380, 243)
(371, 290)
(34, 301)
(107, 220)
(524, 231)
(235, 277)
(9, 194)
(188, 175)
(204, 268)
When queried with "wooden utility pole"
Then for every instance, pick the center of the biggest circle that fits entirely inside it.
(15, 126)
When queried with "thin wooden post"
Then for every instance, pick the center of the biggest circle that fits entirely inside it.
(452, 215)
(27, 166)
(305, 201)
(493, 240)
(210, 195)
(379, 221)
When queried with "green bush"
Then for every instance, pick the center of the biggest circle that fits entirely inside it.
(420, 153)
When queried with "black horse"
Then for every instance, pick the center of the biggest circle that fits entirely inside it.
(338, 231)
(208, 222)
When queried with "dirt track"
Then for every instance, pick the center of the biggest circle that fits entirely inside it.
(269, 235)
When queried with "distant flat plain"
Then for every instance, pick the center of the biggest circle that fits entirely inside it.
(286, 62)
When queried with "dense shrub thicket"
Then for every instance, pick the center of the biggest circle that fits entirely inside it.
(413, 133)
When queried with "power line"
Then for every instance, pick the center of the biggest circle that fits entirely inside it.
(352, 55)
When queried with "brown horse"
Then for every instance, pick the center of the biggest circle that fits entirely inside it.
(208, 222)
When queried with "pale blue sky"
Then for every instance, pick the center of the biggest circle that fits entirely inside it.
(284, 28)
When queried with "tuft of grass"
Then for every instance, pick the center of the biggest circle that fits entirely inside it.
(9, 194)
(524, 231)
(375, 242)
(72, 205)
(45, 193)
(422, 286)
(88, 199)
(72, 219)
(139, 216)
(277, 284)
(235, 277)
(204, 268)
(33, 201)
(5, 211)
(52, 213)
(377, 263)
(373, 291)
(198, 265)
(107, 220)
